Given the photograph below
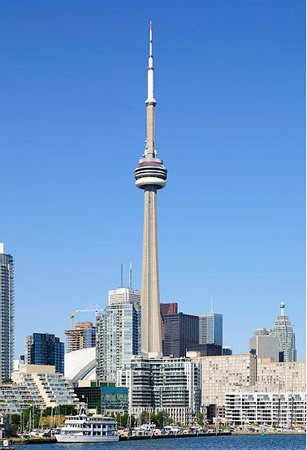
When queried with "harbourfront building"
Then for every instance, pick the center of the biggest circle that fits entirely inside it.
(6, 314)
(82, 336)
(264, 345)
(103, 398)
(279, 409)
(117, 339)
(211, 328)
(45, 384)
(15, 398)
(281, 376)
(168, 384)
(283, 331)
(45, 349)
(221, 374)
(180, 334)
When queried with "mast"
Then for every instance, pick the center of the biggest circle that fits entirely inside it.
(150, 150)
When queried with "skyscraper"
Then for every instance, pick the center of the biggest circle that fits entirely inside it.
(124, 295)
(211, 328)
(181, 334)
(6, 314)
(165, 309)
(283, 330)
(45, 349)
(150, 175)
(117, 339)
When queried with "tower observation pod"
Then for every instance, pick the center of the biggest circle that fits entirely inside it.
(150, 175)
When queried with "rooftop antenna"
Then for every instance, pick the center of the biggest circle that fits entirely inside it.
(211, 310)
(130, 276)
(121, 275)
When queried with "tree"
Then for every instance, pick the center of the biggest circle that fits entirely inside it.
(31, 417)
(200, 419)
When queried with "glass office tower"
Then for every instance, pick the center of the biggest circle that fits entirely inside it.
(45, 349)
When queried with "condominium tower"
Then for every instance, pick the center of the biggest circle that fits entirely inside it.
(6, 314)
(117, 339)
(150, 175)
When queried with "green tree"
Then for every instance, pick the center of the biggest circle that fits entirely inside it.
(31, 417)
(200, 419)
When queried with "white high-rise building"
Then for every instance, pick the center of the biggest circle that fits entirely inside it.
(124, 295)
(283, 330)
(117, 339)
(6, 314)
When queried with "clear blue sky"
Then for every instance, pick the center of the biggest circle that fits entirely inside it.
(230, 86)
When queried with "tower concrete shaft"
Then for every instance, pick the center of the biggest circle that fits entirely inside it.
(150, 175)
(150, 295)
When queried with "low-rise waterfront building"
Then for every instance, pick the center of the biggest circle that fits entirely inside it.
(52, 387)
(284, 409)
(15, 398)
(103, 398)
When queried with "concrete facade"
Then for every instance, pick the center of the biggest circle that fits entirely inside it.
(221, 374)
(284, 377)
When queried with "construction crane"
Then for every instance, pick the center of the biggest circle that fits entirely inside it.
(96, 309)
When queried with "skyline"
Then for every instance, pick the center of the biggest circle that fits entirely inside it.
(71, 207)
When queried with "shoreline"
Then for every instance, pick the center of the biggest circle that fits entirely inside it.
(29, 441)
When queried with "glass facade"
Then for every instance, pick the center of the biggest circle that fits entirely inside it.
(6, 314)
(45, 349)
(211, 328)
(104, 397)
(117, 339)
(180, 334)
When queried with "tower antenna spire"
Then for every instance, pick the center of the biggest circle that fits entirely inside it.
(130, 276)
(150, 150)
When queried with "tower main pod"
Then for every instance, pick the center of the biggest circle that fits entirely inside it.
(150, 175)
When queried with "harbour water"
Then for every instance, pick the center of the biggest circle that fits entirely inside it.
(266, 442)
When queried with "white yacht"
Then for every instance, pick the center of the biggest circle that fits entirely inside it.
(84, 429)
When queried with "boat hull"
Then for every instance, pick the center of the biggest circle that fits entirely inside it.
(81, 439)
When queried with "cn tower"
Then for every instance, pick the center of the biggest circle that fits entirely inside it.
(150, 175)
